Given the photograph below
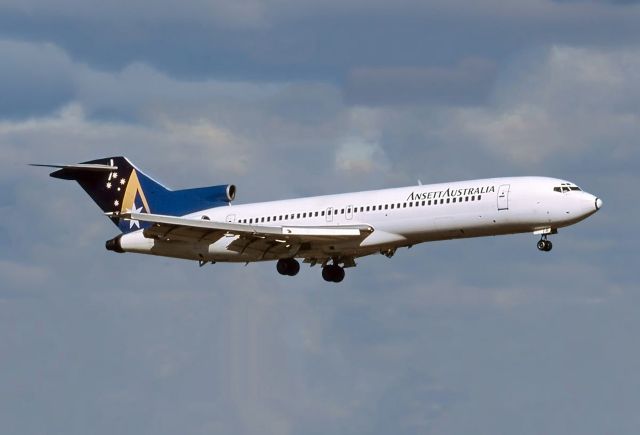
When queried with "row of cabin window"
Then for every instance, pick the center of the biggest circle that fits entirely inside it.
(362, 209)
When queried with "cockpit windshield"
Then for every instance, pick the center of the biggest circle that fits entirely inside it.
(566, 187)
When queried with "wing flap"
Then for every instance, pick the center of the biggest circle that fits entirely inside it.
(179, 228)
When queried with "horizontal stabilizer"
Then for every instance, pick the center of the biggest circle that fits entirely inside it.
(70, 172)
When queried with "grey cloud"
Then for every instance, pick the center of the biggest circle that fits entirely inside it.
(473, 336)
(34, 79)
(308, 40)
(612, 2)
(469, 82)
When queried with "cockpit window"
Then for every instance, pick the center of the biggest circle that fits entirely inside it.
(565, 187)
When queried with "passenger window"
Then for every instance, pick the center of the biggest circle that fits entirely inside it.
(322, 213)
(269, 219)
(386, 206)
(442, 201)
(261, 219)
(423, 203)
(298, 216)
(392, 206)
(473, 197)
(429, 202)
(368, 208)
(479, 197)
(404, 205)
(316, 214)
(448, 200)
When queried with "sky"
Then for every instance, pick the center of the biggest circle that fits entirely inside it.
(293, 98)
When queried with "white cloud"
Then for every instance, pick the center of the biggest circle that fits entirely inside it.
(243, 350)
(65, 134)
(575, 101)
(356, 155)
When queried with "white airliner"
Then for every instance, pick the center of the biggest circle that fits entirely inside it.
(332, 231)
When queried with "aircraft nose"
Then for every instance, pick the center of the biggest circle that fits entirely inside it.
(598, 203)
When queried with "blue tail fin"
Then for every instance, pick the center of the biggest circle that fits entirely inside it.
(117, 186)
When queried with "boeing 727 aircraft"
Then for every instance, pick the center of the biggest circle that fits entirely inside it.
(201, 224)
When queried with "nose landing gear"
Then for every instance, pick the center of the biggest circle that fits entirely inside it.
(544, 244)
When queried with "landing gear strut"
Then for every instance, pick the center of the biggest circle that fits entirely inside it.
(544, 244)
(288, 266)
(333, 273)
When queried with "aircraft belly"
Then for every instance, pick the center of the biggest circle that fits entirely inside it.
(478, 224)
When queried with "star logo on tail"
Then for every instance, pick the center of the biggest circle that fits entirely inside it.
(134, 222)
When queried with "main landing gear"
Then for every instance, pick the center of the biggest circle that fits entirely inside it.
(288, 266)
(544, 244)
(333, 273)
(330, 272)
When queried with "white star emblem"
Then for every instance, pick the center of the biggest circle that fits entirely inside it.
(115, 175)
(122, 181)
(116, 203)
(133, 222)
(109, 185)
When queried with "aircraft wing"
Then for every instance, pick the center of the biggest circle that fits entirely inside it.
(255, 239)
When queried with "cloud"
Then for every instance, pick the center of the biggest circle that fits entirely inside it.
(35, 79)
(68, 131)
(441, 338)
(230, 125)
(574, 102)
(468, 82)
(308, 40)
(355, 155)
(18, 276)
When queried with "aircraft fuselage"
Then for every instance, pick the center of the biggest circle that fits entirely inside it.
(399, 217)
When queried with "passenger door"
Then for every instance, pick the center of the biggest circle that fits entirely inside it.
(329, 214)
(503, 197)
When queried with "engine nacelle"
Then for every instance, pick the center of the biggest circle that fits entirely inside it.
(114, 245)
(221, 193)
(231, 192)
